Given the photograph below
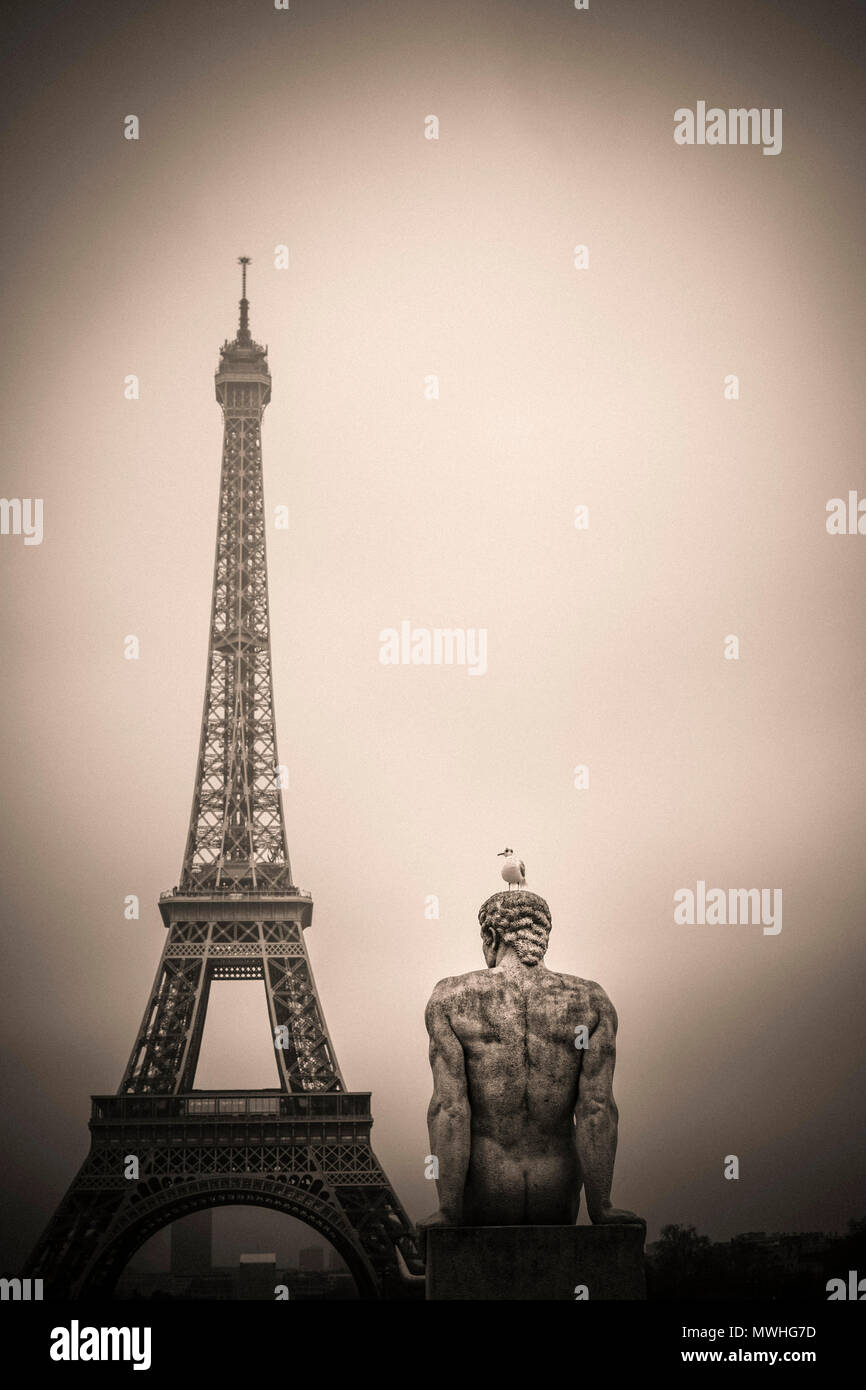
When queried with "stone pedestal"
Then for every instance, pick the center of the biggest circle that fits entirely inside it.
(535, 1262)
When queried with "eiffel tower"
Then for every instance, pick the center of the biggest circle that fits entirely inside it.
(302, 1148)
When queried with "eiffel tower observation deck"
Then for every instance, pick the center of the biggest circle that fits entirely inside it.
(302, 1148)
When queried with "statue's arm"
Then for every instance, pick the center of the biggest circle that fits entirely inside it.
(596, 1118)
(448, 1113)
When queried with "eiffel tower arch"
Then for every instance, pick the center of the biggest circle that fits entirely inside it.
(302, 1148)
(157, 1209)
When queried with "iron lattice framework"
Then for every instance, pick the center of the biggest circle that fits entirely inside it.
(303, 1149)
(237, 834)
(243, 937)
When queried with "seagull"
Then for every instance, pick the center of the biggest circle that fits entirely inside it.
(513, 870)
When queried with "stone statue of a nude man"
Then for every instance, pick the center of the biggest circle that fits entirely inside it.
(522, 1113)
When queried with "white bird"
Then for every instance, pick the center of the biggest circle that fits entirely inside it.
(513, 870)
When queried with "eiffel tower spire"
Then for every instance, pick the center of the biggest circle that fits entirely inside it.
(237, 834)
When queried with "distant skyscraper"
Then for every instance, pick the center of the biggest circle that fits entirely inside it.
(191, 1242)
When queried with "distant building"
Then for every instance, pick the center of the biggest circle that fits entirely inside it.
(336, 1263)
(191, 1241)
(257, 1276)
(311, 1259)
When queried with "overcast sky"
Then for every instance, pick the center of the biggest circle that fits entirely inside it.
(558, 387)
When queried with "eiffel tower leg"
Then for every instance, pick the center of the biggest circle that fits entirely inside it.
(166, 1049)
(74, 1234)
(307, 1062)
(382, 1227)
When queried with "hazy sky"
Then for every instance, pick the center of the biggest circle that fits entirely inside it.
(558, 387)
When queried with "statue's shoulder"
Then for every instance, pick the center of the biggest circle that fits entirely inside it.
(455, 985)
(589, 992)
(454, 989)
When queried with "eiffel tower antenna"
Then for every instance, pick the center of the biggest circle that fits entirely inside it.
(244, 326)
(304, 1147)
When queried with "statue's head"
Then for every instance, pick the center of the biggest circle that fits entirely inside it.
(518, 919)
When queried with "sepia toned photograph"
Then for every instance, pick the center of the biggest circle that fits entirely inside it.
(432, 539)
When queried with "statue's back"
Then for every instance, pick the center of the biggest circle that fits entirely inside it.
(520, 1035)
(522, 1113)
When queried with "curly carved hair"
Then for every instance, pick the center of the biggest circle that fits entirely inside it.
(519, 919)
